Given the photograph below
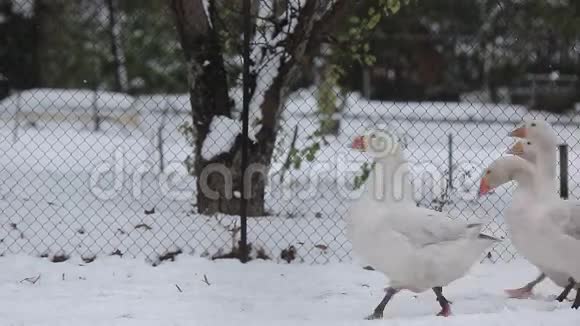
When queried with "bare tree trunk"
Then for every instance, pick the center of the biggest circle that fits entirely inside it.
(209, 98)
(328, 102)
(119, 68)
(208, 89)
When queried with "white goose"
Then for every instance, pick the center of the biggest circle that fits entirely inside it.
(540, 148)
(542, 154)
(540, 225)
(416, 248)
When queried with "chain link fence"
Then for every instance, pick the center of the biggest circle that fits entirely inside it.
(87, 169)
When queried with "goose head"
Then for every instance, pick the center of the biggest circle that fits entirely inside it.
(377, 143)
(526, 149)
(538, 131)
(542, 158)
(504, 170)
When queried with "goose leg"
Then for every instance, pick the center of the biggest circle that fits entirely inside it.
(576, 303)
(525, 291)
(445, 307)
(378, 313)
(566, 291)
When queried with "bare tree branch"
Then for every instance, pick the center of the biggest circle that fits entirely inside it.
(295, 47)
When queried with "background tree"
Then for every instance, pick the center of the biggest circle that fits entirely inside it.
(437, 50)
(285, 37)
(17, 35)
(73, 44)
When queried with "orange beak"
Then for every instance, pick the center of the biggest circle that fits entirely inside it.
(484, 187)
(358, 143)
(521, 132)
(517, 149)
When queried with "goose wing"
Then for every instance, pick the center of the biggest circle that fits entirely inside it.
(425, 227)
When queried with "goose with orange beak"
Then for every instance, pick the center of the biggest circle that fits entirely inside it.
(418, 249)
(530, 151)
(541, 226)
(539, 147)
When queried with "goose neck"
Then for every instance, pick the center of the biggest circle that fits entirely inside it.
(524, 178)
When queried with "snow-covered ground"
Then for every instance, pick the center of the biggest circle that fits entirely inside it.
(70, 193)
(193, 291)
(67, 189)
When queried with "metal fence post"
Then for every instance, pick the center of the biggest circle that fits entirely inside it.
(17, 117)
(563, 149)
(245, 124)
(450, 160)
(96, 117)
(160, 138)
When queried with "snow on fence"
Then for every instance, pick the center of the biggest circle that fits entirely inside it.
(86, 108)
(124, 189)
(96, 111)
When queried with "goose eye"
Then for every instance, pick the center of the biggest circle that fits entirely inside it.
(533, 124)
(488, 172)
(373, 136)
(529, 143)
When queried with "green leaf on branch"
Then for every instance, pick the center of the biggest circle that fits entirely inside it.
(394, 6)
(366, 169)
